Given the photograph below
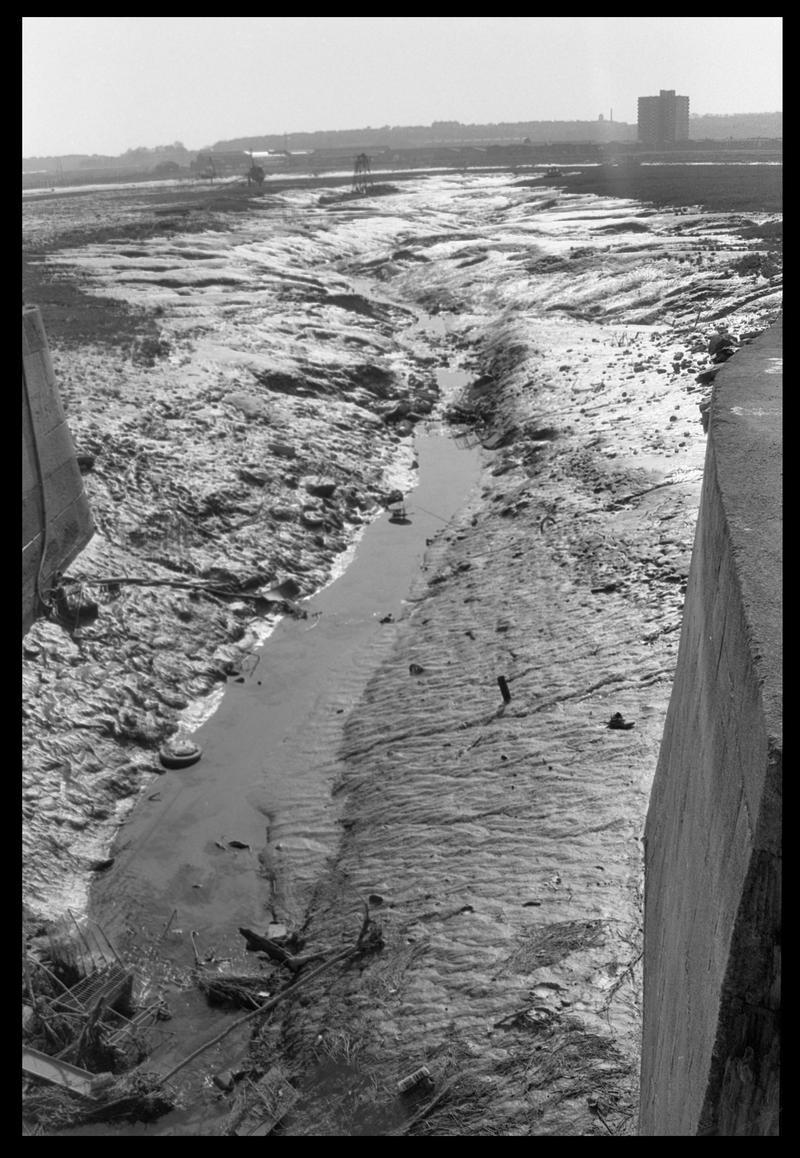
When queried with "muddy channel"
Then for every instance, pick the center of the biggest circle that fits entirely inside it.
(526, 366)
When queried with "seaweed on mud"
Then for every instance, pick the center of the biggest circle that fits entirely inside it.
(543, 945)
(563, 1080)
(50, 1107)
(339, 1094)
(136, 1098)
(239, 991)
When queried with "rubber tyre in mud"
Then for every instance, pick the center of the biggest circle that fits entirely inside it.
(180, 755)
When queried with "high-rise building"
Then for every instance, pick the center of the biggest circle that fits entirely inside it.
(663, 119)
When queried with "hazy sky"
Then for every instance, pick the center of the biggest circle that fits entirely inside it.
(106, 84)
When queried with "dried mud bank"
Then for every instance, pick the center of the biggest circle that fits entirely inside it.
(234, 453)
(500, 848)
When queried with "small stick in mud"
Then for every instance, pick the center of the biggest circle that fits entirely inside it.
(166, 928)
(194, 949)
(504, 692)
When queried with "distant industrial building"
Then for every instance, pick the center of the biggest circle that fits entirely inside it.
(663, 119)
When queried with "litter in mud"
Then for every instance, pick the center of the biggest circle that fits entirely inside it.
(369, 941)
(261, 1103)
(82, 1032)
(179, 754)
(399, 514)
(423, 1074)
(619, 722)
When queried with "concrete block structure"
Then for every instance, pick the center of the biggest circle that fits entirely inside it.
(663, 119)
(712, 936)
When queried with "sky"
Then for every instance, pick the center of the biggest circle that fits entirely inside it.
(105, 84)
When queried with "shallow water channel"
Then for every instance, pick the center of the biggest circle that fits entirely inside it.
(265, 781)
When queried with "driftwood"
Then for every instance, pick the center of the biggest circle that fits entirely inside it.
(368, 940)
(276, 952)
(202, 587)
(222, 989)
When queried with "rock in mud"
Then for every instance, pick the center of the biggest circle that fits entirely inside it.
(321, 488)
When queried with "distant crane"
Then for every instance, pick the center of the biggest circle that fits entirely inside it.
(362, 176)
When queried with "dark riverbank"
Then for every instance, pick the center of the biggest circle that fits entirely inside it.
(721, 187)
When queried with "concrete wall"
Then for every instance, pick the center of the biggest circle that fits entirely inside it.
(712, 839)
(52, 488)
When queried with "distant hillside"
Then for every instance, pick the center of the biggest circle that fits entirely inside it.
(701, 128)
(741, 126)
(439, 133)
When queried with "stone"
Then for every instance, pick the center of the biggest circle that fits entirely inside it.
(258, 478)
(247, 404)
(282, 514)
(321, 488)
(288, 589)
(719, 341)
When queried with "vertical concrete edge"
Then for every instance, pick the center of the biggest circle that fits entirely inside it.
(710, 1044)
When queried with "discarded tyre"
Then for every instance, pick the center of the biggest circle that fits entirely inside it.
(179, 754)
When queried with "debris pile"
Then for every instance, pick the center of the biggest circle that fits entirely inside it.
(82, 1032)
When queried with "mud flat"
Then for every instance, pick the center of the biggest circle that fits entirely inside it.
(498, 846)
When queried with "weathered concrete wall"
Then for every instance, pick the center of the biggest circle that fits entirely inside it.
(52, 488)
(712, 840)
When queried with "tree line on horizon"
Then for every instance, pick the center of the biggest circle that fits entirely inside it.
(737, 126)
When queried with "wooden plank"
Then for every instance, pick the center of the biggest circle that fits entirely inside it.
(58, 1073)
(30, 472)
(37, 369)
(33, 334)
(67, 537)
(44, 398)
(52, 486)
(63, 487)
(55, 448)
